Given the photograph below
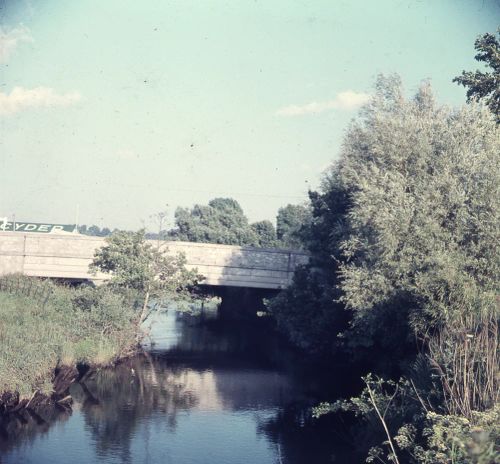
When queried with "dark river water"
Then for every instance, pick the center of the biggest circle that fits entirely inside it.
(205, 394)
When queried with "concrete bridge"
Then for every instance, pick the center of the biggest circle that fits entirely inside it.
(67, 256)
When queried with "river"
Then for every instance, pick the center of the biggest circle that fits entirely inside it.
(205, 393)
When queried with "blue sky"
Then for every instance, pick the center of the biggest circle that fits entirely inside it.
(122, 107)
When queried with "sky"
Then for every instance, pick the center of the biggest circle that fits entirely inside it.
(111, 111)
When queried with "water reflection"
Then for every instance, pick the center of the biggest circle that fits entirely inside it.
(116, 403)
(203, 395)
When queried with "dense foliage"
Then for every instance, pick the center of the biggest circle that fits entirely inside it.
(408, 216)
(224, 221)
(266, 234)
(135, 264)
(485, 85)
(308, 311)
(45, 326)
(403, 426)
(290, 224)
(423, 222)
(94, 231)
(221, 221)
(404, 239)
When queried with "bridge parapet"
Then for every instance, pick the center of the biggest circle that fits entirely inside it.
(68, 256)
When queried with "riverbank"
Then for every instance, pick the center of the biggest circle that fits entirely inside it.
(205, 392)
(51, 334)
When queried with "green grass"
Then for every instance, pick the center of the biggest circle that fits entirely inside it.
(55, 326)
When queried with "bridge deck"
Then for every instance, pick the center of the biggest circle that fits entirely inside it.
(68, 256)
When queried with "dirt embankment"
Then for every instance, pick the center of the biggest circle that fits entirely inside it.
(40, 405)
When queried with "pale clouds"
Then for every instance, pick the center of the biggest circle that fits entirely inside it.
(9, 41)
(347, 100)
(20, 99)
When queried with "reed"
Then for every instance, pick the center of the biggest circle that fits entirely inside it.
(465, 354)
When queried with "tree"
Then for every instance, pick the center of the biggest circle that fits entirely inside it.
(485, 85)
(135, 264)
(289, 223)
(221, 221)
(94, 231)
(423, 225)
(404, 237)
(423, 239)
(160, 219)
(308, 311)
(266, 233)
(408, 217)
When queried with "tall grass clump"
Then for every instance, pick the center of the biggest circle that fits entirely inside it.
(44, 326)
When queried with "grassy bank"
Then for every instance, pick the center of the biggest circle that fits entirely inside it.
(44, 326)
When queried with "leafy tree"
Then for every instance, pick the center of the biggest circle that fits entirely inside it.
(94, 231)
(266, 233)
(407, 216)
(221, 221)
(135, 264)
(423, 225)
(423, 239)
(289, 223)
(404, 235)
(308, 311)
(485, 85)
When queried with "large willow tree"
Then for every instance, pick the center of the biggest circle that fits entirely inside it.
(423, 234)
(420, 256)
(405, 228)
(404, 242)
(424, 216)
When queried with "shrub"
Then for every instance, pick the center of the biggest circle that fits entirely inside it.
(39, 333)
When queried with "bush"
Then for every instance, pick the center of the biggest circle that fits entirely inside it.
(401, 420)
(44, 326)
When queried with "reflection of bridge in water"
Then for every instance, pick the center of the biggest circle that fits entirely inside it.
(67, 256)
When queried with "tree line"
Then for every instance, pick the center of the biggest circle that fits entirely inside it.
(223, 221)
